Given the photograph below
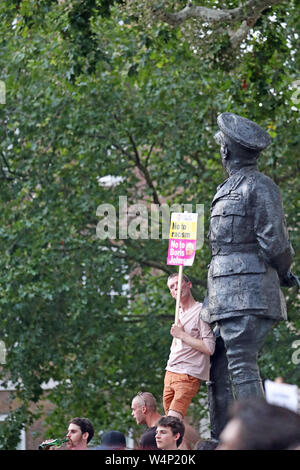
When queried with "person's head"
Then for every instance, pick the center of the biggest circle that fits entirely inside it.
(233, 155)
(80, 432)
(206, 444)
(186, 285)
(142, 405)
(240, 140)
(257, 425)
(112, 440)
(169, 433)
(148, 441)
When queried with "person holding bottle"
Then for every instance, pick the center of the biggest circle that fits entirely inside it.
(80, 432)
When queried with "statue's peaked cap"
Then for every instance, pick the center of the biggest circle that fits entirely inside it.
(243, 131)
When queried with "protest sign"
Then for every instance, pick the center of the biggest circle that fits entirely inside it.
(282, 394)
(182, 246)
(183, 237)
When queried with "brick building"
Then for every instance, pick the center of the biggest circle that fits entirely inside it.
(34, 435)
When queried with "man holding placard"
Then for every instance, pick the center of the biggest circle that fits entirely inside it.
(193, 340)
(193, 343)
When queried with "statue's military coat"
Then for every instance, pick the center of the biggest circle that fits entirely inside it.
(250, 248)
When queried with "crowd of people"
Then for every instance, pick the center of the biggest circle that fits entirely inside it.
(253, 424)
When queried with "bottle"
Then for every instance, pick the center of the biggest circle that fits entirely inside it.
(55, 442)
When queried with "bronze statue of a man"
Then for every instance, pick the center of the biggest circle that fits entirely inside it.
(251, 259)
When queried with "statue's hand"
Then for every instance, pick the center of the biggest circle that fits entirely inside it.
(290, 280)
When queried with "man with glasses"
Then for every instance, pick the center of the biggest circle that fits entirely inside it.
(189, 360)
(144, 410)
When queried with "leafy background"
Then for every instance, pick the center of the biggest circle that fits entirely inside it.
(103, 88)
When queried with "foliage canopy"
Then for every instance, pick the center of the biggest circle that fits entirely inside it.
(98, 89)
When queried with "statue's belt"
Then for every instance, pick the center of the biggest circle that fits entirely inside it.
(233, 248)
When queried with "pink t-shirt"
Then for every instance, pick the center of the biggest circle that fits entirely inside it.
(186, 360)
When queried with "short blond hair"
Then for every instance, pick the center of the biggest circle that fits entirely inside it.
(147, 399)
(184, 276)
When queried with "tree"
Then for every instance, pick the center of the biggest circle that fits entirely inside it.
(94, 91)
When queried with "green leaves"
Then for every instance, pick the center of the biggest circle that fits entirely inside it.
(92, 94)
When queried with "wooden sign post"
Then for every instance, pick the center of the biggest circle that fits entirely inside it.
(180, 272)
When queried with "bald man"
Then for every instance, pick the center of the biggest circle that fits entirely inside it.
(144, 410)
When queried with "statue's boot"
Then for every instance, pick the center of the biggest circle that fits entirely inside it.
(248, 389)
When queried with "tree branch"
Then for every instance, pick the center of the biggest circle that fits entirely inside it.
(137, 160)
(14, 173)
(152, 263)
(144, 262)
(247, 13)
(212, 16)
(149, 153)
(139, 318)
